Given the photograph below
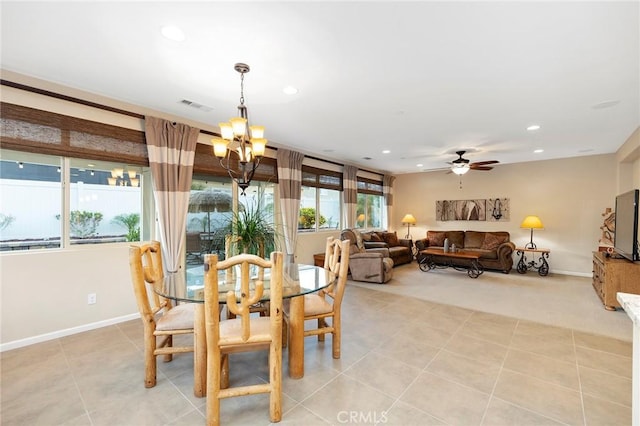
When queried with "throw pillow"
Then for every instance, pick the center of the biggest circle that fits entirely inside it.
(359, 241)
(391, 238)
(492, 241)
(366, 236)
(375, 237)
(436, 238)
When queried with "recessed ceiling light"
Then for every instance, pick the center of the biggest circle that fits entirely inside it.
(386, 151)
(173, 33)
(290, 90)
(533, 127)
(538, 151)
(419, 165)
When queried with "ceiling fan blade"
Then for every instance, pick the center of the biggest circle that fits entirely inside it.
(484, 163)
(481, 167)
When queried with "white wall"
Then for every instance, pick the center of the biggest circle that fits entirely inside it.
(44, 292)
(568, 195)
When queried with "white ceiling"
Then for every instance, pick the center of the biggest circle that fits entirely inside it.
(421, 79)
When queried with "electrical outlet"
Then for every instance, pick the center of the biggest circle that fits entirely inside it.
(91, 298)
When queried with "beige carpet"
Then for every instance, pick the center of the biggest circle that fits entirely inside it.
(560, 300)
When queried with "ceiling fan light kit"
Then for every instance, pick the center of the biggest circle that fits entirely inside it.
(461, 165)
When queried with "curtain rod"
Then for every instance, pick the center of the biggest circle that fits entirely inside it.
(129, 113)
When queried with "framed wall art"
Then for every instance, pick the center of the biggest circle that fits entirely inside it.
(447, 210)
(490, 210)
(498, 210)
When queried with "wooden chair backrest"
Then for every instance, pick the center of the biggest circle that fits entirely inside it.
(241, 306)
(336, 259)
(145, 264)
(232, 245)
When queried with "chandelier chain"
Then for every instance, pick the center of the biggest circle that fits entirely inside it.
(241, 88)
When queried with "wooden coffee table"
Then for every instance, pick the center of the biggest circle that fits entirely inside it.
(437, 258)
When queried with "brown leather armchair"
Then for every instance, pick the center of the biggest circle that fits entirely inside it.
(369, 265)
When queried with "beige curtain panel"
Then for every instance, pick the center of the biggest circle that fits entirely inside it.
(290, 187)
(350, 194)
(171, 148)
(387, 193)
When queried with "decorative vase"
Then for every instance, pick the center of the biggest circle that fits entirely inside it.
(446, 245)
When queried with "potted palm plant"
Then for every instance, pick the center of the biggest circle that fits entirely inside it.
(252, 230)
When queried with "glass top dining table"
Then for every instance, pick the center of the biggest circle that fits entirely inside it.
(188, 286)
(299, 280)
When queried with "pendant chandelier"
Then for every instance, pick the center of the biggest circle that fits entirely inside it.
(118, 178)
(245, 142)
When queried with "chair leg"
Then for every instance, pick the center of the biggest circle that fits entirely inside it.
(214, 365)
(285, 333)
(224, 371)
(149, 359)
(275, 379)
(336, 336)
(321, 324)
(169, 343)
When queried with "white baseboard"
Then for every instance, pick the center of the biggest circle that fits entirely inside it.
(66, 332)
(573, 273)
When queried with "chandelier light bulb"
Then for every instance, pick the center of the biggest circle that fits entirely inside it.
(258, 146)
(219, 147)
(239, 126)
(257, 132)
(226, 131)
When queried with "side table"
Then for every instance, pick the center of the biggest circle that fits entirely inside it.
(542, 267)
(318, 259)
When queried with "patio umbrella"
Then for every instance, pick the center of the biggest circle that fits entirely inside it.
(208, 201)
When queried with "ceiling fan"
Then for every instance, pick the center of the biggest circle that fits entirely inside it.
(461, 165)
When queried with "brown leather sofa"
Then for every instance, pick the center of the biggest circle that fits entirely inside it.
(495, 248)
(399, 250)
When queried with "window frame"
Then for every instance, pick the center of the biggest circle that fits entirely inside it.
(66, 187)
(318, 183)
(368, 187)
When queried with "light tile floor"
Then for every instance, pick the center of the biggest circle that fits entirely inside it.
(404, 362)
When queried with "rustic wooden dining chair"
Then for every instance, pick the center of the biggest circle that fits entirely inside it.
(243, 333)
(231, 249)
(327, 303)
(161, 320)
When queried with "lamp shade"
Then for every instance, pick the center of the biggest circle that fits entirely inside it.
(409, 219)
(460, 168)
(532, 222)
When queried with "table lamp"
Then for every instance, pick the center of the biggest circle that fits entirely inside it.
(532, 222)
(408, 220)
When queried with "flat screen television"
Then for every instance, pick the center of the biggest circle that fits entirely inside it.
(626, 231)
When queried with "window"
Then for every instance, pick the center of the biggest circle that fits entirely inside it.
(320, 206)
(370, 204)
(32, 209)
(31, 193)
(208, 216)
(104, 202)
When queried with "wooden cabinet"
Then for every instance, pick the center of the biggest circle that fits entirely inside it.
(612, 275)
